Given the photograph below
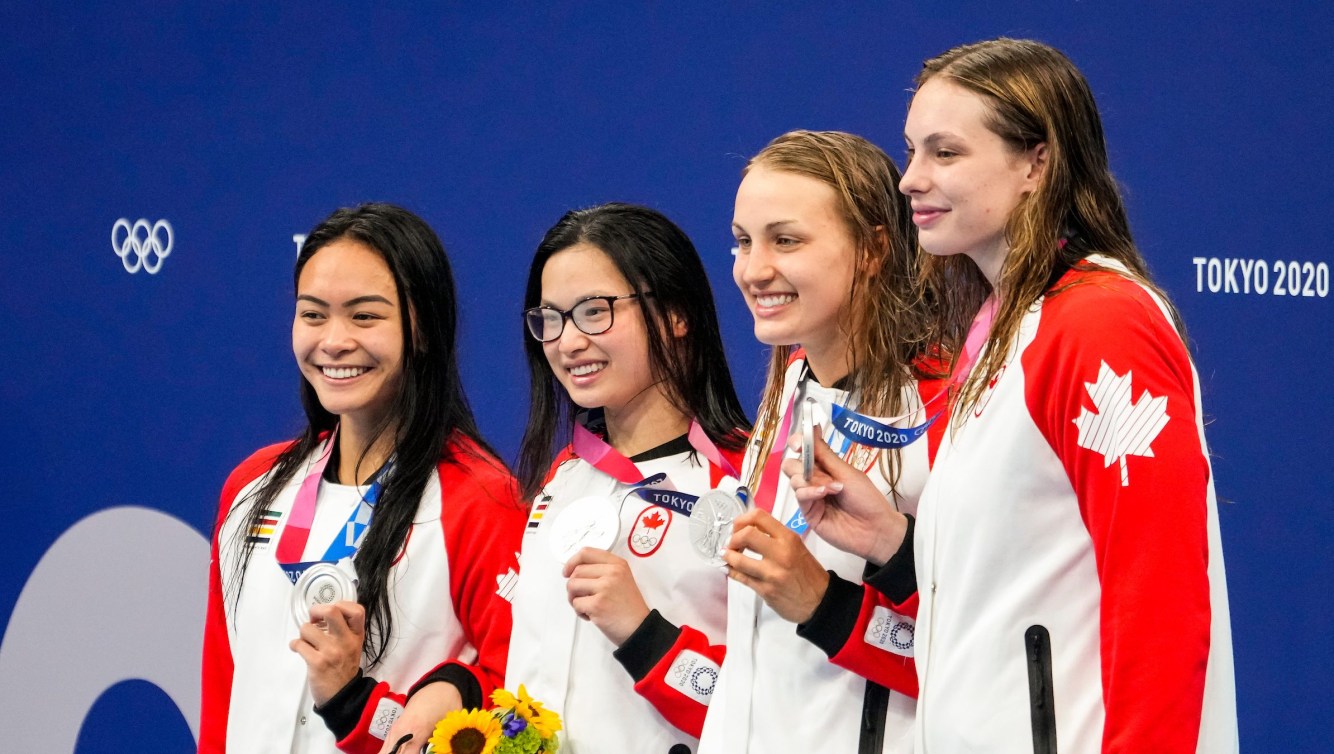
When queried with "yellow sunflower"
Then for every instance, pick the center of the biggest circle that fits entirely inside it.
(466, 732)
(543, 720)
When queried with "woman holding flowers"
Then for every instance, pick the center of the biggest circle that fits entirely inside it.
(617, 615)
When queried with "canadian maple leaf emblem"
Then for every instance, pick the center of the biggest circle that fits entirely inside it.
(1120, 428)
(653, 521)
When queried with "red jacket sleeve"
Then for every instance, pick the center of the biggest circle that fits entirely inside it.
(880, 645)
(215, 699)
(483, 528)
(676, 668)
(481, 525)
(1112, 390)
(680, 683)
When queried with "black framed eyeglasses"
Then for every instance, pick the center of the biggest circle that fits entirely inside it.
(593, 316)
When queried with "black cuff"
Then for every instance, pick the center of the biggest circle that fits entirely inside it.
(834, 618)
(647, 645)
(342, 712)
(896, 579)
(461, 678)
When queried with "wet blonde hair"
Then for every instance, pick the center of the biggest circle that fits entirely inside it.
(886, 315)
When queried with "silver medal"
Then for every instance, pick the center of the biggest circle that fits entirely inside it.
(711, 524)
(322, 584)
(591, 521)
(807, 438)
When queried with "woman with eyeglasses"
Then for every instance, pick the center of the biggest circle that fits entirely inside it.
(359, 562)
(618, 613)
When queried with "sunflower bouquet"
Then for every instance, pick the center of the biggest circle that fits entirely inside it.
(515, 725)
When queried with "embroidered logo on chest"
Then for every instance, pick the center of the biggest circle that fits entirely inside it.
(1119, 428)
(862, 457)
(535, 515)
(650, 527)
(260, 534)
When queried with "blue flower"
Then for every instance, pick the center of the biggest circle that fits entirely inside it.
(513, 726)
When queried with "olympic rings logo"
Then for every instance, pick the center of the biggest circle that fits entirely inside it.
(141, 244)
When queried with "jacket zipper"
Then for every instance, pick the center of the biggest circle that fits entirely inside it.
(1041, 695)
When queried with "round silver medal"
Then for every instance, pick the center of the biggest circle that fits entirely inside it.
(711, 524)
(591, 521)
(321, 584)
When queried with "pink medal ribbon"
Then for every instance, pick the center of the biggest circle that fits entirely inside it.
(297, 532)
(977, 336)
(611, 462)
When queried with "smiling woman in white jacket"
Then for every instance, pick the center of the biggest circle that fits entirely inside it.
(618, 620)
(1067, 550)
(826, 263)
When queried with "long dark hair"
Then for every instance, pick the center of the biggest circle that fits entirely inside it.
(429, 409)
(656, 257)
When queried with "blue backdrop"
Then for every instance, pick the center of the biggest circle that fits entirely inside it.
(130, 395)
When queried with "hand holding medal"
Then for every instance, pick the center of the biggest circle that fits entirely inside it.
(845, 507)
(711, 524)
(331, 643)
(773, 560)
(590, 521)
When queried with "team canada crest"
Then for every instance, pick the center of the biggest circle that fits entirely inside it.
(650, 527)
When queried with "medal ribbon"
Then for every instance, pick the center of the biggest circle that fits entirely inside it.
(875, 432)
(296, 534)
(680, 502)
(611, 462)
(977, 336)
(764, 494)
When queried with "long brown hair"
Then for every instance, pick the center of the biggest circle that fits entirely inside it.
(1035, 96)
(886, 322)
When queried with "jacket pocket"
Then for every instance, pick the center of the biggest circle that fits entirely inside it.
(1041, 697)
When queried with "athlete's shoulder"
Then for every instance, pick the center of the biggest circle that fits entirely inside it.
(1099, 297)
(563, 459)
(253, 467)
(471, 472)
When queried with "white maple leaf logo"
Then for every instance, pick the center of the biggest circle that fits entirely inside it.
(1120, 428)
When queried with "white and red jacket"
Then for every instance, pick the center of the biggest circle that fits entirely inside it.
(449, 595)
(651, 694)
(779, 692)
(1067, 547)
